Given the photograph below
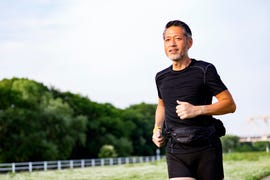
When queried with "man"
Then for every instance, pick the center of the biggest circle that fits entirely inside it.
(185, 109)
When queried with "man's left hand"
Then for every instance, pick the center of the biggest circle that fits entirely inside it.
(186, 110)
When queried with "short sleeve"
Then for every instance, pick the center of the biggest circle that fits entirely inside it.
(213, 81)
(157, 85)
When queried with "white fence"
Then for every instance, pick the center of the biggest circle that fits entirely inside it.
(70, 164)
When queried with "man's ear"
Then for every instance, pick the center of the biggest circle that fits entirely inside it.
(190, 42)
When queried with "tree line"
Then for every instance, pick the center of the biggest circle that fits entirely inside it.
(231, 143)
(42, 123)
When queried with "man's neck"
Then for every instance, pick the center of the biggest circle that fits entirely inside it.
(181, 64)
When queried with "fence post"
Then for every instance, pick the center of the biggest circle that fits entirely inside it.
(59, 165)
(141, 159)
(102, 162)
(127, 160)
(82, 163)
(45, 166)
(71, 164)
(119, 161)
(30, 166)
(111, 161)
(13, 167)
(158, 154)
(93, 162)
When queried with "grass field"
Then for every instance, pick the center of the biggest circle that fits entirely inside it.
(237, 166)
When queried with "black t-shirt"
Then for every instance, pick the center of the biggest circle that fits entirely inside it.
(196, 84)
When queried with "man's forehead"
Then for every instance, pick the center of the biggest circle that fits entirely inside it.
(174, 31)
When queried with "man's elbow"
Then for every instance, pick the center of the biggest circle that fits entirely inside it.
(232, 107)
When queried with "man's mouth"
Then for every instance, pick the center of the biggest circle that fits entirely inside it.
(173, 51)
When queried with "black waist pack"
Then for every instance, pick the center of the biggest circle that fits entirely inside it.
(220, 129)
(191, 134)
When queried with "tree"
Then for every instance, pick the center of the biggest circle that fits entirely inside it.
(230, 143)
(142, 116)
(34, 125)
(46, 124)
(261, 146)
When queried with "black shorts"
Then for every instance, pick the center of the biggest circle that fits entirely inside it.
(202, 165)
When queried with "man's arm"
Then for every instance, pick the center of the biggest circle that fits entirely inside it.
(157, 137)
(225, 104)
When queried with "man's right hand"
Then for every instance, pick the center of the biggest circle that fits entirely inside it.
(157, 138)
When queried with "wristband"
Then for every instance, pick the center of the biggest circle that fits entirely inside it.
(156, 129)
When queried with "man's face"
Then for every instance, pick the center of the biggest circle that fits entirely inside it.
(176, 43)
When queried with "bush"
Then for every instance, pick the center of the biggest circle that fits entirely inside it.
(107, 151)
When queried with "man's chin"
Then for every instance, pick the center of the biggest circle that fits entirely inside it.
(176, 58)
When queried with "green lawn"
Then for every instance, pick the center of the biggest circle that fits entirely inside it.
(237, 166)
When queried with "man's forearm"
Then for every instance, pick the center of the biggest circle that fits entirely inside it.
(224, 105)
(157, 137)
(159, 115)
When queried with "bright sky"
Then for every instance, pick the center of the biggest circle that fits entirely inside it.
(110, 51)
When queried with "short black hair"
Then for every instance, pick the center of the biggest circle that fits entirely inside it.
(179, 24)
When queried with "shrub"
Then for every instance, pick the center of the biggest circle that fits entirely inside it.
(107, 151)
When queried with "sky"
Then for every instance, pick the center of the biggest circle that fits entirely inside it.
(110, 51)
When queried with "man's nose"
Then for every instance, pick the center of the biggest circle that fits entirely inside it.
(172, 42)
